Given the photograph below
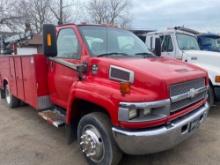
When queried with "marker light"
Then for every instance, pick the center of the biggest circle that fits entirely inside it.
(49, 39)
(217, 79)
(125, 88)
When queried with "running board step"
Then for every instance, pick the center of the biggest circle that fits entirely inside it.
(54, 117)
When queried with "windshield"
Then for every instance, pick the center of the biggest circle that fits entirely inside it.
(110, 41)
(209, 43)
(187, 42)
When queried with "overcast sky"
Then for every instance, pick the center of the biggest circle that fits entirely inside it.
(203, 15)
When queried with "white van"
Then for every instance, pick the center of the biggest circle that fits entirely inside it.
(182, 44)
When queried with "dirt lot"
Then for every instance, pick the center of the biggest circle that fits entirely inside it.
(26, 139)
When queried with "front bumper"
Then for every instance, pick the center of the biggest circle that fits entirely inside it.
(162, 138)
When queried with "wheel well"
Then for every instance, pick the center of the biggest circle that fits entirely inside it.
(5, 82)
(82, 107)
(2, 89)
(211, 86)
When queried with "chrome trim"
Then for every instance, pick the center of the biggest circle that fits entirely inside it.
(190, 94)
(155, 140)
(162, 111)
(65, 63)
(131, 78)
(153, 104)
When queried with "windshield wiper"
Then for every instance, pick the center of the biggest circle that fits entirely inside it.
(144, 54)
(113, 53)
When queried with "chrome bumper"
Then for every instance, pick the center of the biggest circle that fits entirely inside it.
(162, 138)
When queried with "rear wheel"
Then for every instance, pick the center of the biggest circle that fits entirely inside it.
(96, 141)
(2, 92)
(11, 101)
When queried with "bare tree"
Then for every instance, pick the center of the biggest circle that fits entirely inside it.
(34, 12)
(65, 11)
(8, 17)
(108, 11)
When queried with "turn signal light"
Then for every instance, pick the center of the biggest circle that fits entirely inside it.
(49, 39)
(217, 79)
(125, 88)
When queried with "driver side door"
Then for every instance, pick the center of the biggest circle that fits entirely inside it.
(61, 68)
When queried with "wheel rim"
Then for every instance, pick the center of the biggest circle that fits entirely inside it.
(8, 95)
(91, 143)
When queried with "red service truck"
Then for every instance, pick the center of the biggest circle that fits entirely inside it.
(108, 90)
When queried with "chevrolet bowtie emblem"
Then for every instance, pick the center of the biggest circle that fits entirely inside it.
(192, 93)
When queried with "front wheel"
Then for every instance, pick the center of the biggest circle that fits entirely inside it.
(96, 141)
(11, 101)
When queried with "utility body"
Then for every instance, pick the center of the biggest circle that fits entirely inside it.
(103, 84)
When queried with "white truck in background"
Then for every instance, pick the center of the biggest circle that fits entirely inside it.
(181, 43)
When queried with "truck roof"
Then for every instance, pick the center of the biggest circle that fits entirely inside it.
(88, 24)
(211, 35)
(169, 31)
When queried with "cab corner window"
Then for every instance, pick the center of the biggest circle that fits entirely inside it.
(67, 44)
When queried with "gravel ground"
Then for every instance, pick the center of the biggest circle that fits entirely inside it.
(26, 139)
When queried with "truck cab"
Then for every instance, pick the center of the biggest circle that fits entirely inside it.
(209, 42)
(183, 45)
(108, 89)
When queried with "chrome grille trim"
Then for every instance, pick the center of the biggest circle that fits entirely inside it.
(188, 94)
(143, 105)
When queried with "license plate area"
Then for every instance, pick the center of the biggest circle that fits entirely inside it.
(194, 124)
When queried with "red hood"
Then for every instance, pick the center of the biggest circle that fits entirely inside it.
(151, 73)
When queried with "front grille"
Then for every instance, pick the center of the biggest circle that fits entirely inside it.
(184, 88)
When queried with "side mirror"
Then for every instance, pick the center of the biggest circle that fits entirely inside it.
(157, 49)
(81, 69)
(49, 40)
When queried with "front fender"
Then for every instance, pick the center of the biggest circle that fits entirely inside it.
(97, 94)
(213, 71)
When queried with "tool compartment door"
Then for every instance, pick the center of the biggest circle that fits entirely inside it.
(19, 77)
(29, 79)
(35, 81)
(12, 77)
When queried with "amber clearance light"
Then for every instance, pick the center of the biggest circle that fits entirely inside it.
(125, 88)
(217, 79)
(49, 39)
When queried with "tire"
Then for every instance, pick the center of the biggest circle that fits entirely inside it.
(97, 126)
(211, 96)
(11, 101)
(2, 91)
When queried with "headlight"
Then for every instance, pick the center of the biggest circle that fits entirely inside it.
(146, 111)
(132, 113)
(141, 112)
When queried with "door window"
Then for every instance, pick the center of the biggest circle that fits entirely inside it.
(167, 45)
(67, 44)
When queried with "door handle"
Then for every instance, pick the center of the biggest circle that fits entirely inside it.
(194, 58)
